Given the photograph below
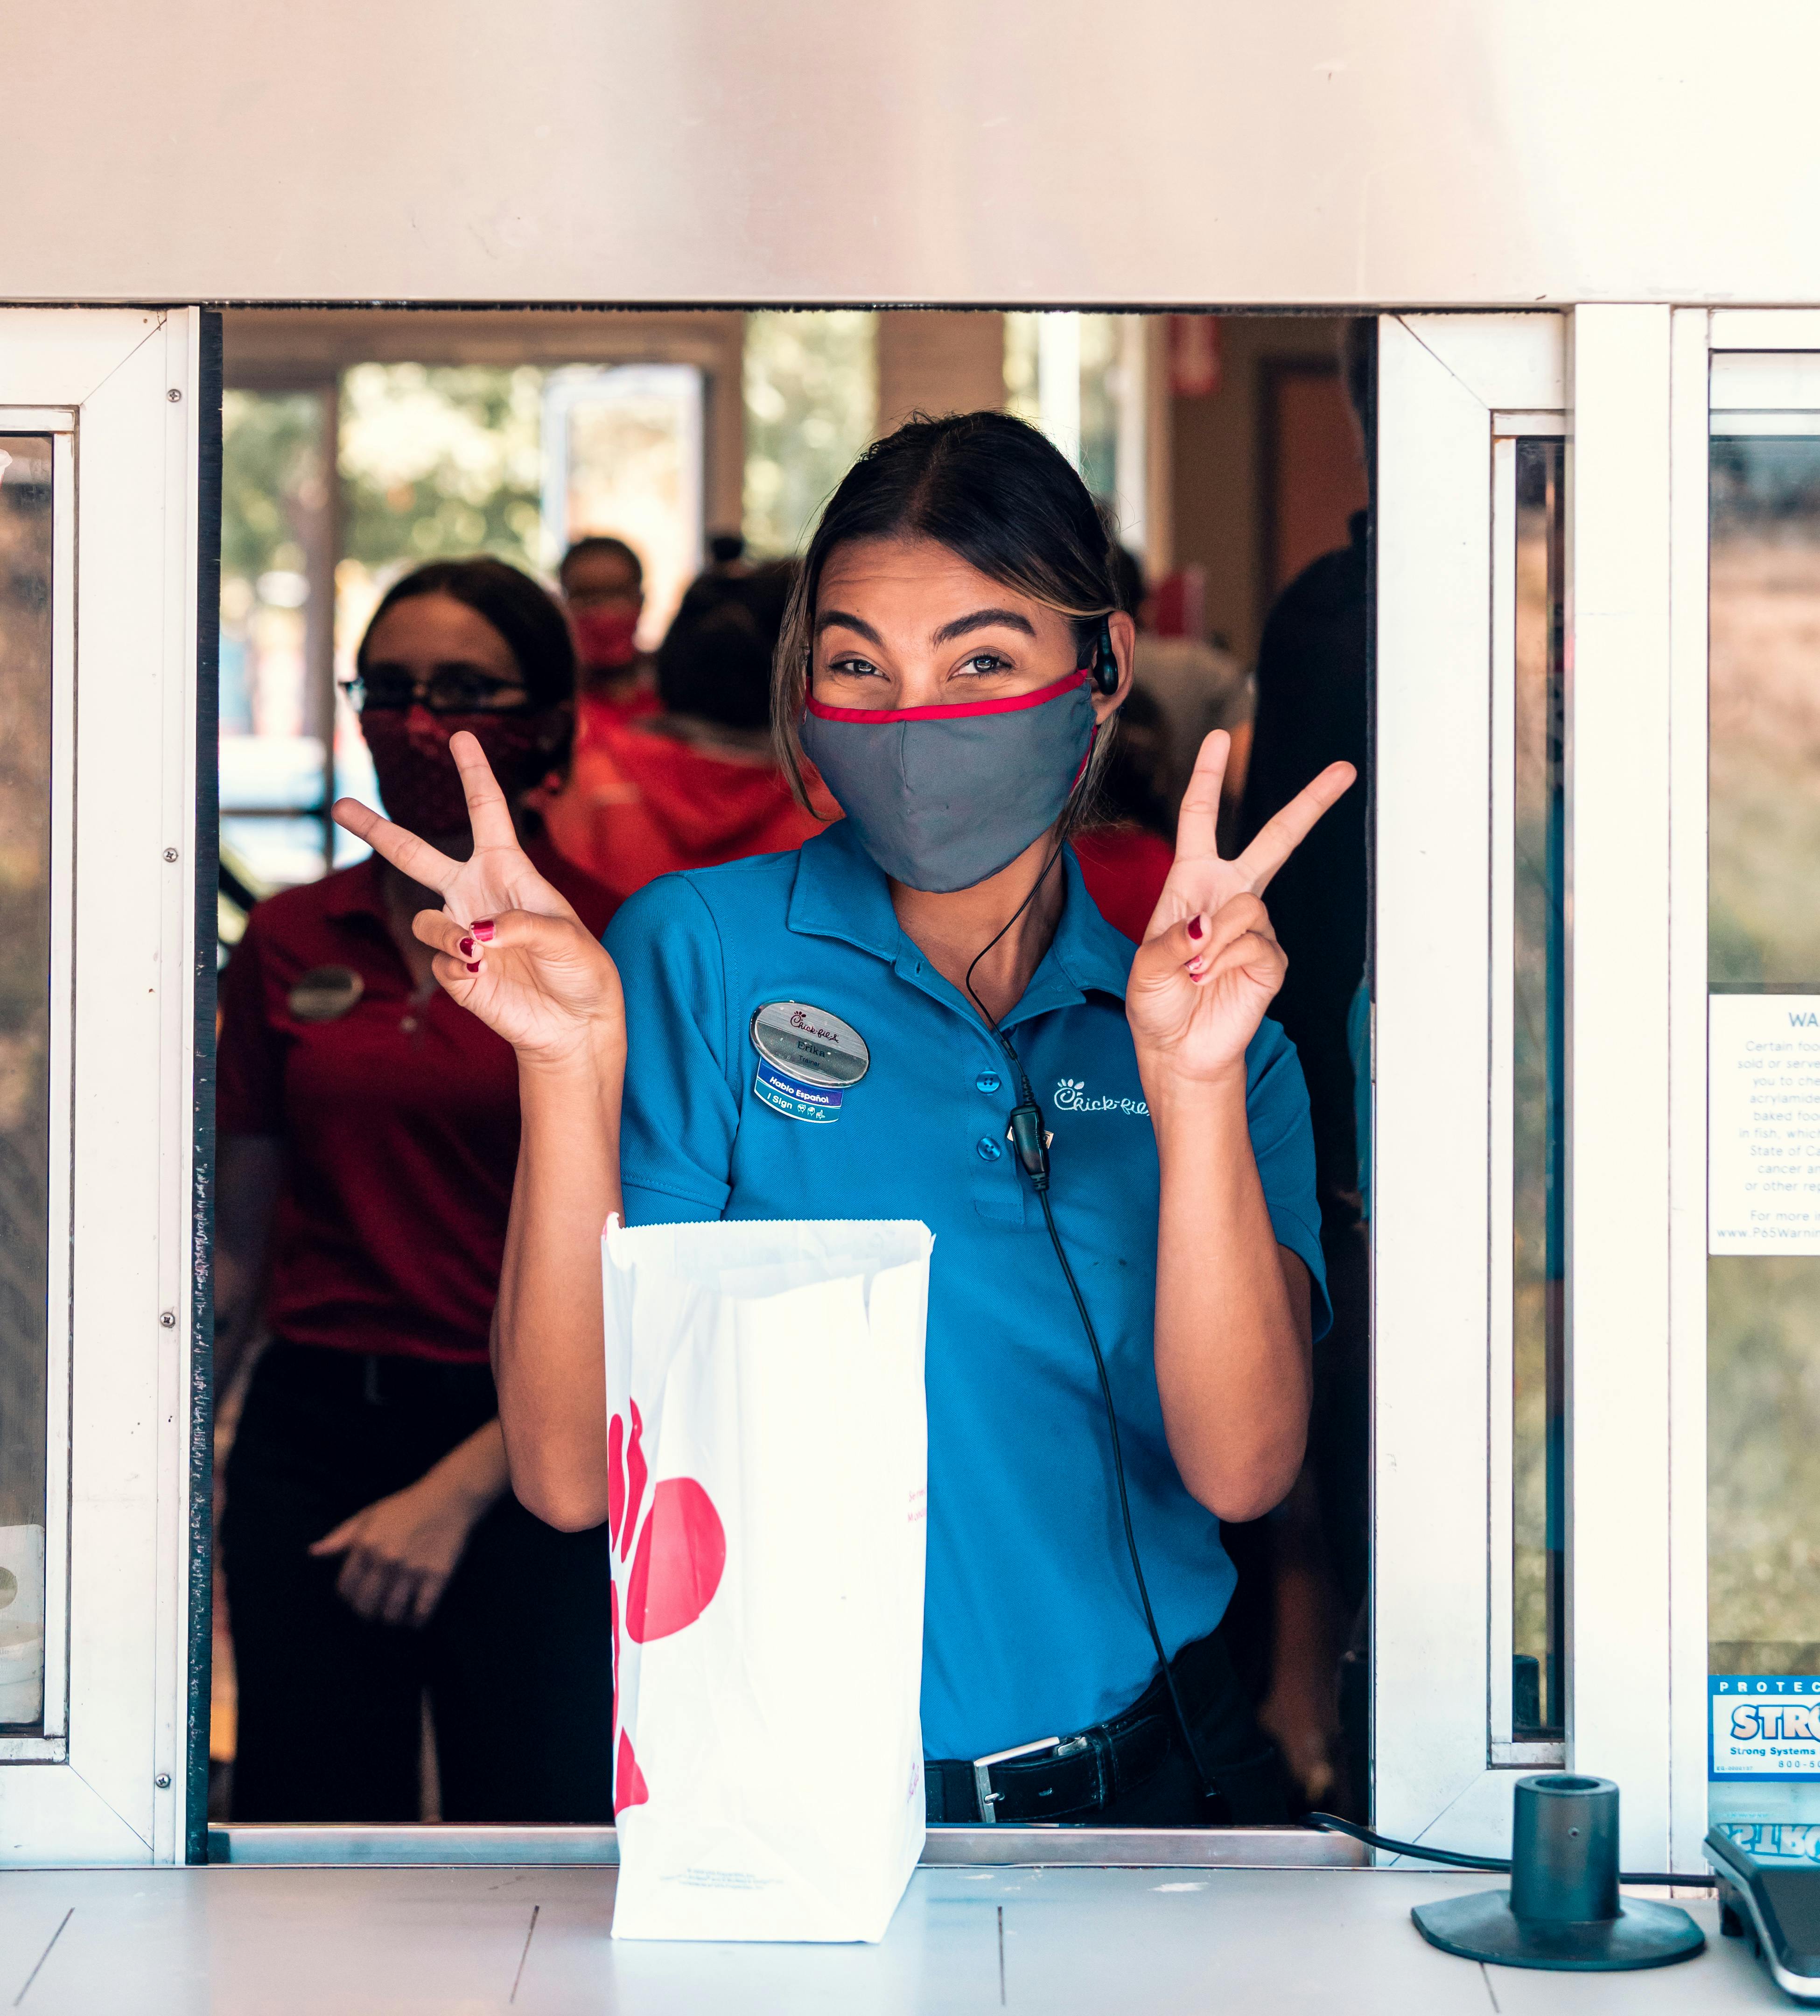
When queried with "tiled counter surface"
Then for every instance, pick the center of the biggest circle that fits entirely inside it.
(247, 1941)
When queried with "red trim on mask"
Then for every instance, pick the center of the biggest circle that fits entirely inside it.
(965, 712)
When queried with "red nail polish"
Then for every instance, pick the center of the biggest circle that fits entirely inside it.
(474, 966)
(1194, 927)
(482, 928)
(467, 948)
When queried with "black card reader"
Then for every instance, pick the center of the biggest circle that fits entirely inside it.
(1769, 1892)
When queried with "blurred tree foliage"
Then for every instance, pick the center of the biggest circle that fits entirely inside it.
(441, 461)
(811, 404)
(271, 471)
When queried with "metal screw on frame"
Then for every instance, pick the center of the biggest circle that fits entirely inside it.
(170, 854)
(174, 395)
(162, 1781)
(168, 1318)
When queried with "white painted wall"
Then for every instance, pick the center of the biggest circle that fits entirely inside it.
(1020, 151)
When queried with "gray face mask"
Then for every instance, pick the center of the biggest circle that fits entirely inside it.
(944, 796)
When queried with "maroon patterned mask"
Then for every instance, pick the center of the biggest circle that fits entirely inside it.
(418, 779)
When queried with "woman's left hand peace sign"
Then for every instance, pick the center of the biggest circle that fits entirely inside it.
(1209, 963)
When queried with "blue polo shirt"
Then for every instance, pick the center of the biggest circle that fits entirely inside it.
(1032, 1626)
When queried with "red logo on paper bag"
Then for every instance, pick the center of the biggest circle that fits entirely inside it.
(677, 1556)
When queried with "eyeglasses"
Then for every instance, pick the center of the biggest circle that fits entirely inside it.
(449, 690)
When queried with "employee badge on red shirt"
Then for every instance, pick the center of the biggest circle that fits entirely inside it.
(325, 994)
(807, 1058)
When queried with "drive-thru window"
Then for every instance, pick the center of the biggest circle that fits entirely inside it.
(1583, 562)
(1539, 1194)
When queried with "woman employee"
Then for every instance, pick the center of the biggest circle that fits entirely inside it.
(954, 657)
(373, 1550)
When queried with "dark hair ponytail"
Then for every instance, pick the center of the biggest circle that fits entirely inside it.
(995, 492)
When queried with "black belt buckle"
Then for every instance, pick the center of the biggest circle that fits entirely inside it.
(983, 1769)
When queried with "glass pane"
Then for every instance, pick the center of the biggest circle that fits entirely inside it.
(276, 521)
(25, 954)
(1763, 1491)
(1537, 1564)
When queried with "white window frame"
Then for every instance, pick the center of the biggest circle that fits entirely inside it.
(107, 1782)
(1454, 392)
(116, 388)
(1636, 393)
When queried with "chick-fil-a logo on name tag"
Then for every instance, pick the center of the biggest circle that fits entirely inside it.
(678, 1556)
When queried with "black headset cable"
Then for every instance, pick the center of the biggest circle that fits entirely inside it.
(1028, 1137)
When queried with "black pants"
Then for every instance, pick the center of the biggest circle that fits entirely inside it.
(1248, 1780)
(1239, 1760)
(517, 1658)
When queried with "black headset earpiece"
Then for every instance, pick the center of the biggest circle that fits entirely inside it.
(1105, 666)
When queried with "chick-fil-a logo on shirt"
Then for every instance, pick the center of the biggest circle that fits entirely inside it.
(800, 1020)
(677, 1556)
(1070, 1096)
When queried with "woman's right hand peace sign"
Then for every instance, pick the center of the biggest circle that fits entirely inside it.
(1210, 963)
(507, 946)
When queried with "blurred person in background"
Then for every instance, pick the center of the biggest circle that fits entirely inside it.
(698, 783)
(1127, 848)
(1196, 686)
(727, 554)
(603, 581)
(368, 1139)
(1312, 710)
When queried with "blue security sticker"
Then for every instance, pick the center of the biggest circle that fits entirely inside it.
(819, 1104)
(1764, 1725)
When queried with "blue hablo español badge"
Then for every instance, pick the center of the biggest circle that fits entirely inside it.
(807, 1058)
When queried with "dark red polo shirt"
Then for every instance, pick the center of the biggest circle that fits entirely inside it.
(399, 1117)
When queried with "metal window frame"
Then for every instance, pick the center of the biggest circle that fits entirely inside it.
(1504, 1750)
(441, 1845)
(51, 1743)
(1454, 391)
(119, 387)
(1452, 387)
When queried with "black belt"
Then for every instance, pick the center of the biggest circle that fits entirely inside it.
(1060, 1776)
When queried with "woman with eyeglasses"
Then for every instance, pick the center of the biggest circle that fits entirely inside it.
(369, 1133)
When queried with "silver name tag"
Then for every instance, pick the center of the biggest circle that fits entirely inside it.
(810, 1044)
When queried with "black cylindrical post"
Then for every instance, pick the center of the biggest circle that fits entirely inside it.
(1564, 1850)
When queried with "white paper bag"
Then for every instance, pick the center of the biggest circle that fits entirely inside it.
(768, 1442)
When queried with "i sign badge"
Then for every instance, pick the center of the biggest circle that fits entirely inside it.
(807, 1058)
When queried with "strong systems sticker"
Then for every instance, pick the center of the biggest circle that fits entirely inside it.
(1764, 1725)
